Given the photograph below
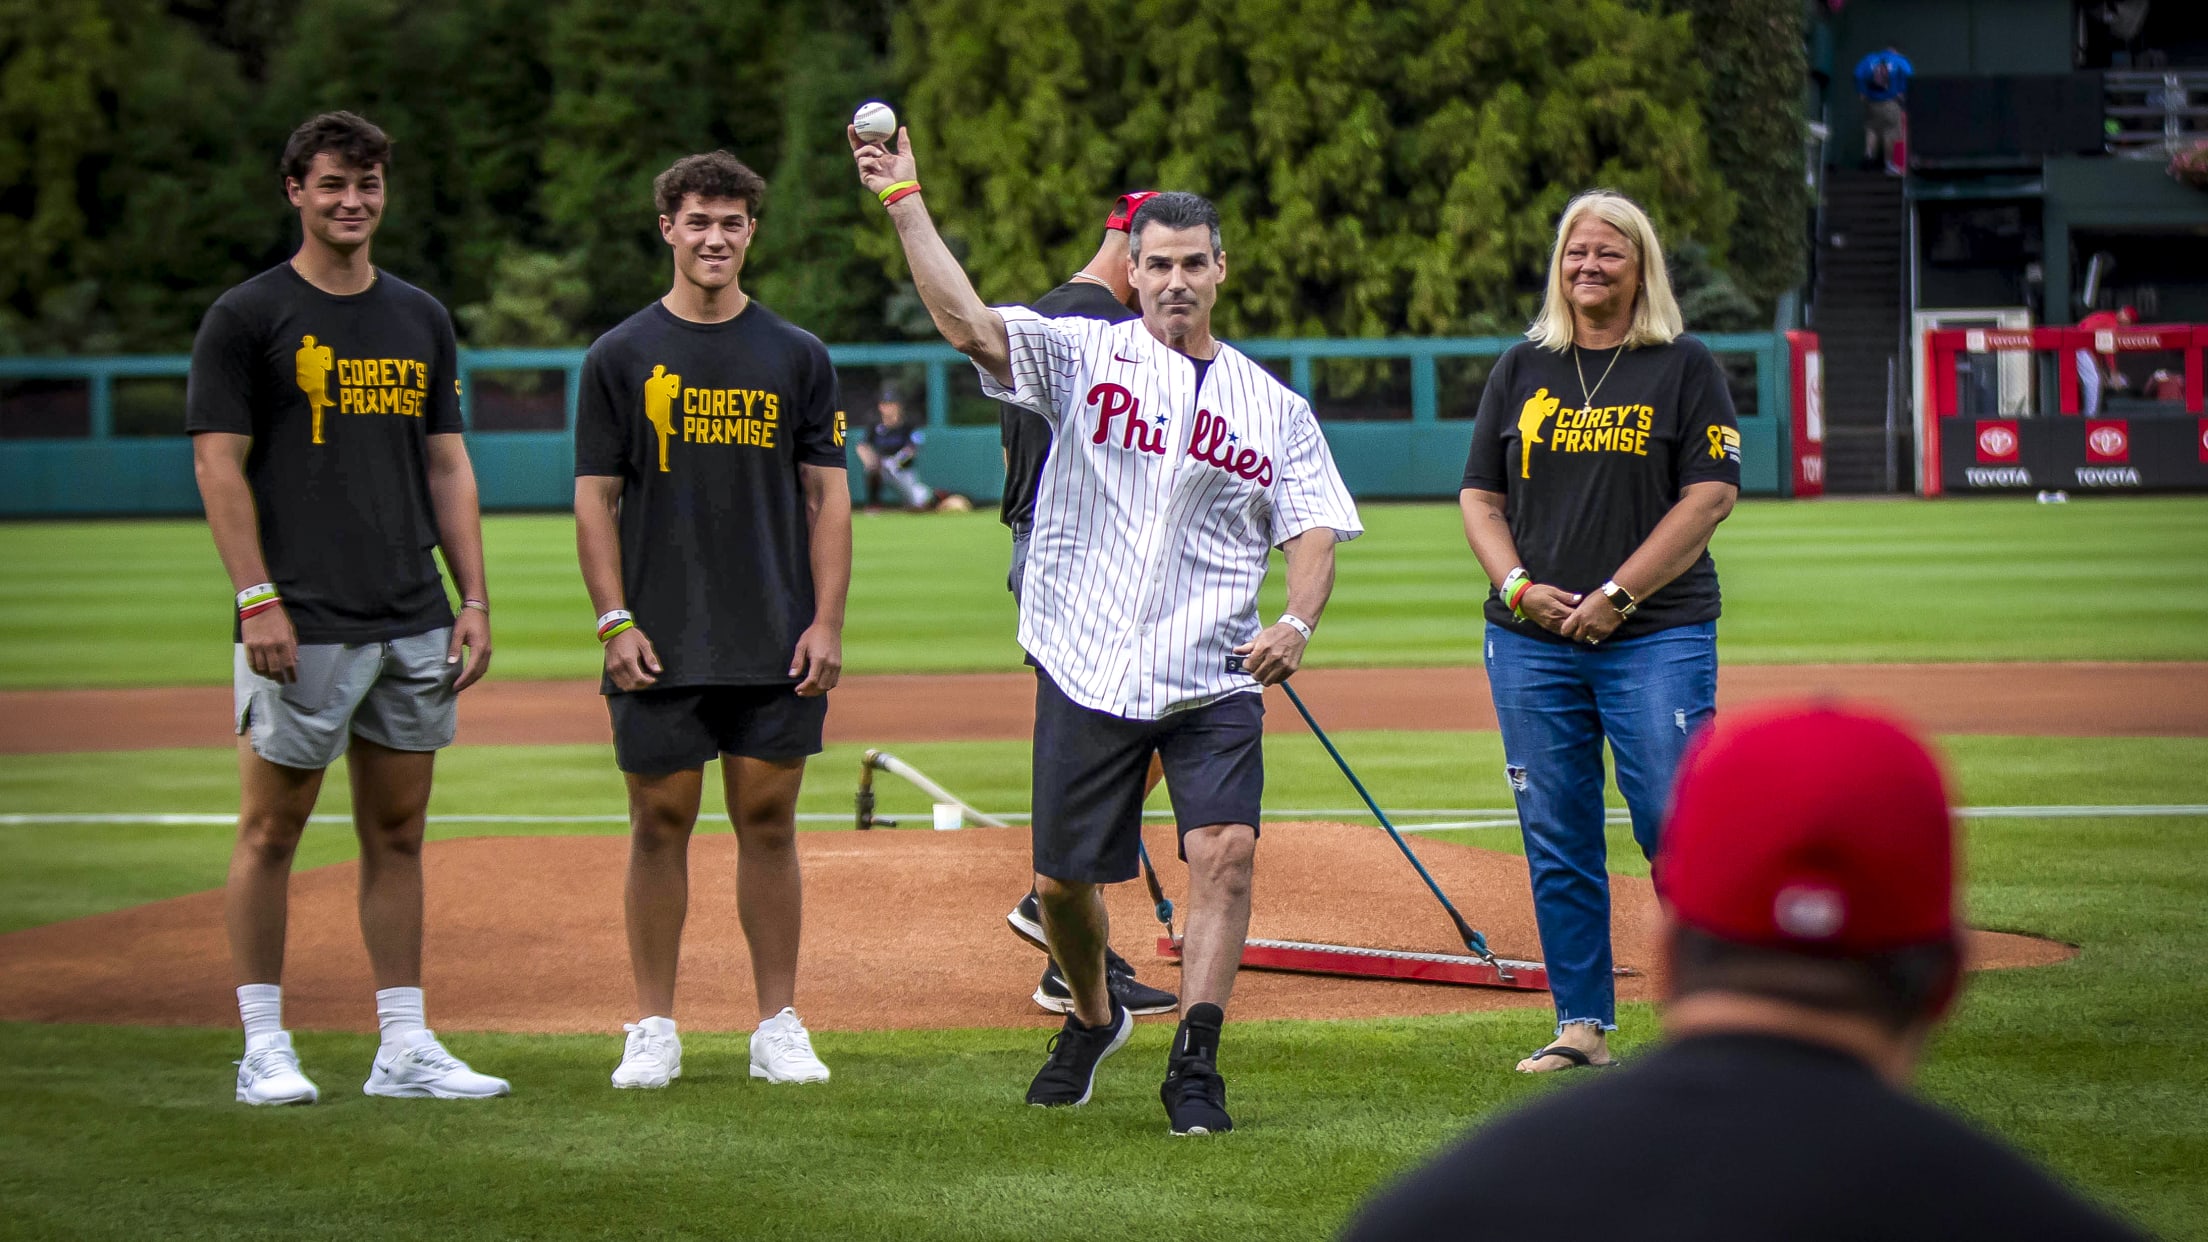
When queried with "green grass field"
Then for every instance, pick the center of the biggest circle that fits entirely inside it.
(131, 1133)
(145, 603)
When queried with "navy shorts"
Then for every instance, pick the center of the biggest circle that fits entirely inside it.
(660, 731)
(1090, 767)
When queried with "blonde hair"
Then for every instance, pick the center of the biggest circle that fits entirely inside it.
(1656, 318)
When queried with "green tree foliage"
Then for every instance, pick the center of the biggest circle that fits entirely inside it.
(1383, 168)
(1754, 113)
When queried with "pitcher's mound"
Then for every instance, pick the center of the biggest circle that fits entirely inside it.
(902, 929)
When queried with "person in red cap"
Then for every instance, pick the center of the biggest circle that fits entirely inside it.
(1100, 290)
(1811, 945)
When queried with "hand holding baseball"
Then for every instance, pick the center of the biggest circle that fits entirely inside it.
(880, 165)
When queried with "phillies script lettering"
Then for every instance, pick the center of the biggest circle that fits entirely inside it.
(1212, 443)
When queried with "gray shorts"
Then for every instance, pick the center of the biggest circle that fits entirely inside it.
(397, 694)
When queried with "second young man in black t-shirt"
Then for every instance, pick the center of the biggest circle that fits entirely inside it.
(713, 521)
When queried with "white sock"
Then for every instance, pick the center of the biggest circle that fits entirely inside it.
(657, 1025)
(398, 1011)
(261, 1005)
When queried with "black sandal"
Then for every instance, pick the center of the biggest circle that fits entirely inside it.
(1578, 1059)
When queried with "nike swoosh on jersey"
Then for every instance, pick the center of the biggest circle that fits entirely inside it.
(1118, 357)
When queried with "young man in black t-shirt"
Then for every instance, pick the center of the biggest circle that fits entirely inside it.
(1100, 290)
(325, 415)
(713, 520)
(1811, 947)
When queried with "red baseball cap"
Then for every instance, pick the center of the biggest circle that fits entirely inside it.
(1123, 211)
(1816, 827)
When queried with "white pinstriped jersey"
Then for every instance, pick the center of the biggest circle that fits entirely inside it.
(1157, 509)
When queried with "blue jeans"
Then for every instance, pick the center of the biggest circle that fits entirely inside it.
(1556, 704)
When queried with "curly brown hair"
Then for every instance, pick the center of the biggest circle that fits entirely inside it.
(715, 174)
(349, 136)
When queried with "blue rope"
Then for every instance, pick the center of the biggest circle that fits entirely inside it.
(1472, 939)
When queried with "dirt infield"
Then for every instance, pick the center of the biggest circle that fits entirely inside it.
(2053, 700)
(904, 929)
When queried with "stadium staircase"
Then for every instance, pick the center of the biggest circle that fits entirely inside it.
(1859, 323)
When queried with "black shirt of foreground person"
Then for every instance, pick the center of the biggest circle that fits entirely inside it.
(1722, 1137)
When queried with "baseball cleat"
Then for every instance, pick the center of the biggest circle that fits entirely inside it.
(1139, 997)
(270, 1074)
(652, 1057)
(1075, 1051)
(1195, 1097)
(419, 1068)
(1027, 922)
(782, 1051)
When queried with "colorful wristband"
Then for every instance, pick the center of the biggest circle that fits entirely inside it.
(1515, 585)
(613, 623)
(249, 612)
(257, 594)
(895, 190)
(478, 605)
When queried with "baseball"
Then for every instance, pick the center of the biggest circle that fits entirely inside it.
(874, 121)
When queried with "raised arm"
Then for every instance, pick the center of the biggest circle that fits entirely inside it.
(965, 321)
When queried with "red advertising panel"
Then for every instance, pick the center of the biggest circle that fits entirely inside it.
(1998, 442)
(1808, 374)
(2108, 442)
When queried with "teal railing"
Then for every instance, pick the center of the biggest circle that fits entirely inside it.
(109, 470)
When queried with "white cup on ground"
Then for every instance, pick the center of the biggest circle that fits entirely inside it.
(948, 817)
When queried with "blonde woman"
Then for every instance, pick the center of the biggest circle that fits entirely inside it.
(1604, 455)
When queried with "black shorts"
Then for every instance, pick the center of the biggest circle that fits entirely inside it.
(1089, 770)
(675, 730)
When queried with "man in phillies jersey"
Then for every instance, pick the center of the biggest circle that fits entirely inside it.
(1177, 464)
(713, 522)
(1100, 290)
(324, 410)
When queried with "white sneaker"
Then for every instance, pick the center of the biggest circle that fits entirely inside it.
(653, 1056)
(782, 1051)
(420, 1068)
(269, 1074)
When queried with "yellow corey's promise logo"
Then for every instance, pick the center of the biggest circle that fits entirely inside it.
(659, 407)
(1538, 406)
(364, 385)
(1724, 443)
(313, 363)
(839, 428)
(747, 416)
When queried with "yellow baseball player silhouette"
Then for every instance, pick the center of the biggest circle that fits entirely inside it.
(660, 392)
(1538, 407)
(314, 363)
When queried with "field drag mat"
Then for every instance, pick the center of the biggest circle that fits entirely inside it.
(903, 929)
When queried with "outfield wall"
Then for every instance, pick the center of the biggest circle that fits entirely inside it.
(103, 435)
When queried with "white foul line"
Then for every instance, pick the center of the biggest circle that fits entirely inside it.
(1470, 817)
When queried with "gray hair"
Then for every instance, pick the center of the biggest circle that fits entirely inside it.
(1174, 209)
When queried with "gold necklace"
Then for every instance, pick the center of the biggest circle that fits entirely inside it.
(1587, 399)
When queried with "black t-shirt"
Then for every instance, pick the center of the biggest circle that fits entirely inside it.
(1732, 1137)
(340, 395)
(1025, 434)
(707, 425)
(1599, 480)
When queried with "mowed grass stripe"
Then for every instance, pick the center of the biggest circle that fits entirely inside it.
(145, 603)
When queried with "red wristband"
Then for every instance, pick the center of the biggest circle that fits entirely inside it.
(900, 196)
(1511, 601)
(257, 609)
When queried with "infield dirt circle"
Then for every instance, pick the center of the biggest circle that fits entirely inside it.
(905, 929)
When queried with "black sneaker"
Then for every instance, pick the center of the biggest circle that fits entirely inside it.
(1195, 1097)
(1067, 1077)
(1027, 922)
(1137, 996)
